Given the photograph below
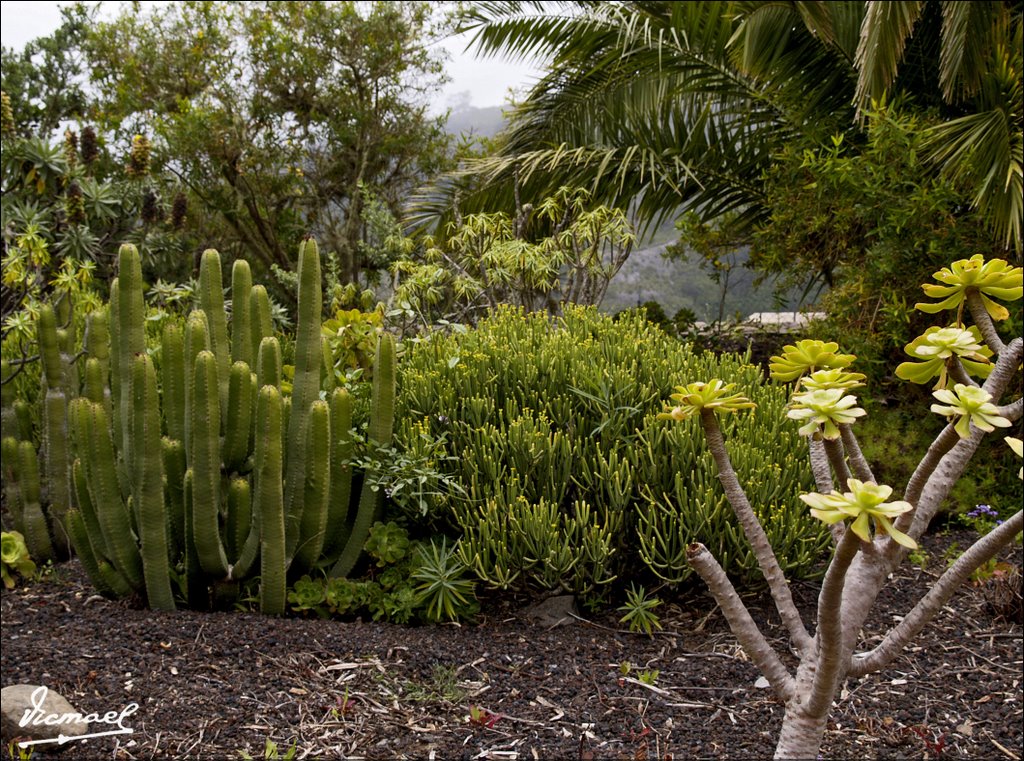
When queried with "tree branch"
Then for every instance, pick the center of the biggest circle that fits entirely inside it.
(983, 322)
(980, 552)
(740, 622)
(835, 456)
(860, 465)
(754, 532)
(830, 625)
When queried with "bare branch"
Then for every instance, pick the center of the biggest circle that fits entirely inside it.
(983, 322)
(740, 621)
(754, 532)
(980, 552)
(834, 449)
(860, 465)
(958, 374)
(1012, 411)
(819, 466)
(830, 625)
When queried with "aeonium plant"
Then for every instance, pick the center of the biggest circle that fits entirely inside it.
(871, 534)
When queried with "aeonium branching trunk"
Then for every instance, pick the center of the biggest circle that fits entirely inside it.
(871, 535)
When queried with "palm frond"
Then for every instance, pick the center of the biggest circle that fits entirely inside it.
(883, 37)
(966, 44)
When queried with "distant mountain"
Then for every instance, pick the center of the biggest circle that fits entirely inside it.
(481, 122)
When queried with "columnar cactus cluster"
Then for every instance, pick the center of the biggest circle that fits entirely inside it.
(206, 471)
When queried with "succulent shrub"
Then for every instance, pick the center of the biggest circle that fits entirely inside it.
(565, 477)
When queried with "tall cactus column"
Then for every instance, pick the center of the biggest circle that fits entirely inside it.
(382, 419)
(305, 391)
(148, 483)
(56, 457)
(269, 501)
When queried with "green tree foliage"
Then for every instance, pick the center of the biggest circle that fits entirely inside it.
(275, 115)
(564, 250)
(684, 106)
(869, 223)
(45, 79)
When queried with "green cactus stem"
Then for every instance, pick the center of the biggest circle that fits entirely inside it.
(341, 473)
(34, 527)
(8, 394)
(382, 418)
(49, 351)
(173, 380)
(268, 369)
(197, 339)
(211, 300)
(205, 457)
(23, 416)
(197, 592)
(131, 328)
(95, 389)
(305, 390)
(175, 466)
(240, 407)
(327, 366)
(241, 314)
(57, 466)
(239, 516)
(260, 318)
(270, 500)
(101, 573)
(113, 516)
(314, 514)
(148, 483)
(9, 456)
(114, 311)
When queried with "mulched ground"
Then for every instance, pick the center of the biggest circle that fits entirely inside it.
(211, 685)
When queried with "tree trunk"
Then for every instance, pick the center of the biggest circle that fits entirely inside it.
(801, 733)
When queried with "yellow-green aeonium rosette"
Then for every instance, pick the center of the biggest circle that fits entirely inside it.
(994, 279)
(832, 378)
(865, 504)
(1017, 445)
(824, 410)
(936, 346)
(807, 356)
(969, 404)
(714, 395)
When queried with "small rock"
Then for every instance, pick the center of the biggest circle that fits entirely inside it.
(38, 703)
(553, 611)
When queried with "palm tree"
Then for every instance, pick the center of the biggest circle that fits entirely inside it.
(667, 106)
(660, 105)
(979, 74)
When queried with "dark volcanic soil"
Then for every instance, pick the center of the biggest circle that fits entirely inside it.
(212, 685)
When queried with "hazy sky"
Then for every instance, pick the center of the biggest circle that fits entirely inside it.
(486, 80)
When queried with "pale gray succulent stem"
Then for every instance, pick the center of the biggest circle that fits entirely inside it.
(858, 461)
(836, 456)
(769, 564)
(740, 621)
(958, 373)
(983, 322)
(926, 609)
(829, 636)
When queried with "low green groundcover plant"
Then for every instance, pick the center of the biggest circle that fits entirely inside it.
(559, 473)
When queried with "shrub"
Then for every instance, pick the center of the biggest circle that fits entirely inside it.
(565, 477)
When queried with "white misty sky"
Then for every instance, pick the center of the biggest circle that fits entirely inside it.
(486, 81)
